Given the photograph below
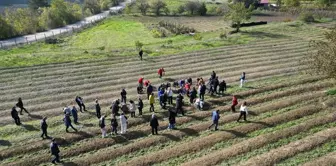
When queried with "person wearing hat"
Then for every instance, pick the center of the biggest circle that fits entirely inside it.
(54, 151)
(15, 116)
(215, 119)
(44, 127)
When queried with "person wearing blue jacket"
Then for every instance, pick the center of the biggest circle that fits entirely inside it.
(74, 114)
(67, 122)
(161, 95)
(215, 119)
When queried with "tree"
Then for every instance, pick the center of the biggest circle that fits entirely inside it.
(202, 10)
(247, 3)
(292, 3)
(35, 4)
(238, 13)
(322, 55)
(325, 3)
(6, 30)
(93, 6)
(143, 6)
(192, 6)
(157, 6)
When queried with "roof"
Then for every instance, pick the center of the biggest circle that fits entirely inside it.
(264, 1)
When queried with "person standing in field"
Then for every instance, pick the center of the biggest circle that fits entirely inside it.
(213, 75)
(123, 94)
(102, 126)
(74, 114)
(161, 72)
(44, 127)
(179, 104)
(215, 84)
(170, 95)
(97, 108)
(154, 123)
(140, 54)
(215, 119)
(243, 111)
(140, 85)
(242, 79)
(222, 87)
(202, 90)
(54, 151)
(234, 103)
(123, 123)
(149, 90)
(20, 105)
(15, 116)
(193, 95)
(172, 119)
(80, 102)
(115, 108)
(67, 122)
(151, 103)
(140, 106)
(132, 108)
(114, 125)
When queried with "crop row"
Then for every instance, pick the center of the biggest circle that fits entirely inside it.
(293, 148)
(215, 158)
(212, 139)
(72, 138)
(327, 160)
(96, 76)
(105, 101)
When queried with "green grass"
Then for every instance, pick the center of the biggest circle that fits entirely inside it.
(331, 92)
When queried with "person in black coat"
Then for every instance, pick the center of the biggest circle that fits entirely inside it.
(54, 151)
(202, 91)
(193, 95)
(15, 116)
(123, 94)
(189, 80)
(44, 127)
(179, 103)
(215, 84)
(140, 106)
(98, 109)
(20, 105)
(222, 87)
(67, 122)
(154, 123)
(149, 90)
(80, 103)
(172, 119)
(114, 125)
(140, 54)
(213, 75)
(115, 108)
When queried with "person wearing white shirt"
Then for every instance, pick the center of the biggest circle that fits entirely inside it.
(170, 95)
(243, 111)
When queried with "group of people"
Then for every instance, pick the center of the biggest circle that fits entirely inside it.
(164, 93)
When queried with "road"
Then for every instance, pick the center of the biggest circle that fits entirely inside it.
(54, 32)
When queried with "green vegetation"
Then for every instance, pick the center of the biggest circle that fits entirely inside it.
(331, 92)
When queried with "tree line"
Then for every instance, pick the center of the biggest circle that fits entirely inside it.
(42, 15)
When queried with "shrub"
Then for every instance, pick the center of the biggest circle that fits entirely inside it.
(138, 45)
(221, 10)
(157, 34)
(287, 20)
(192, 6)
(292, 3)
(93, 6)
(198, 36)
(306, 17)
(169, 42)
(223, 35)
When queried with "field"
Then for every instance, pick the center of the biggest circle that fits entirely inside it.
(291, 117)
(288, 122)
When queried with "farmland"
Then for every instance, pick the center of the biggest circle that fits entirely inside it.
(288, 122)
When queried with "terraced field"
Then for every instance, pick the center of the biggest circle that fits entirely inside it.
(287, 121)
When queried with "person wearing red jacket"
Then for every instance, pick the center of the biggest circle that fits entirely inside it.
(140, 85)
(160, 72)
(146, 83)
(234, 103)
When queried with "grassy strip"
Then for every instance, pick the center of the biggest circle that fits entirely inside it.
(129, 148)
(313, 155)
(276, 155)
(328, 160)
(221, 136)
(131, 60)
(105, 102)
(331, 92)
(258, 142)
(183, 119)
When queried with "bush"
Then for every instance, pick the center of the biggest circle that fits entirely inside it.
(181, 9)
(222, 10)
(143, 6)
(198, 36)
(192, 6)
(306, 17)
(157, 33)
(287, 20)
(138, 45)
(292, 3)
(202, 10)
(223, 35)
